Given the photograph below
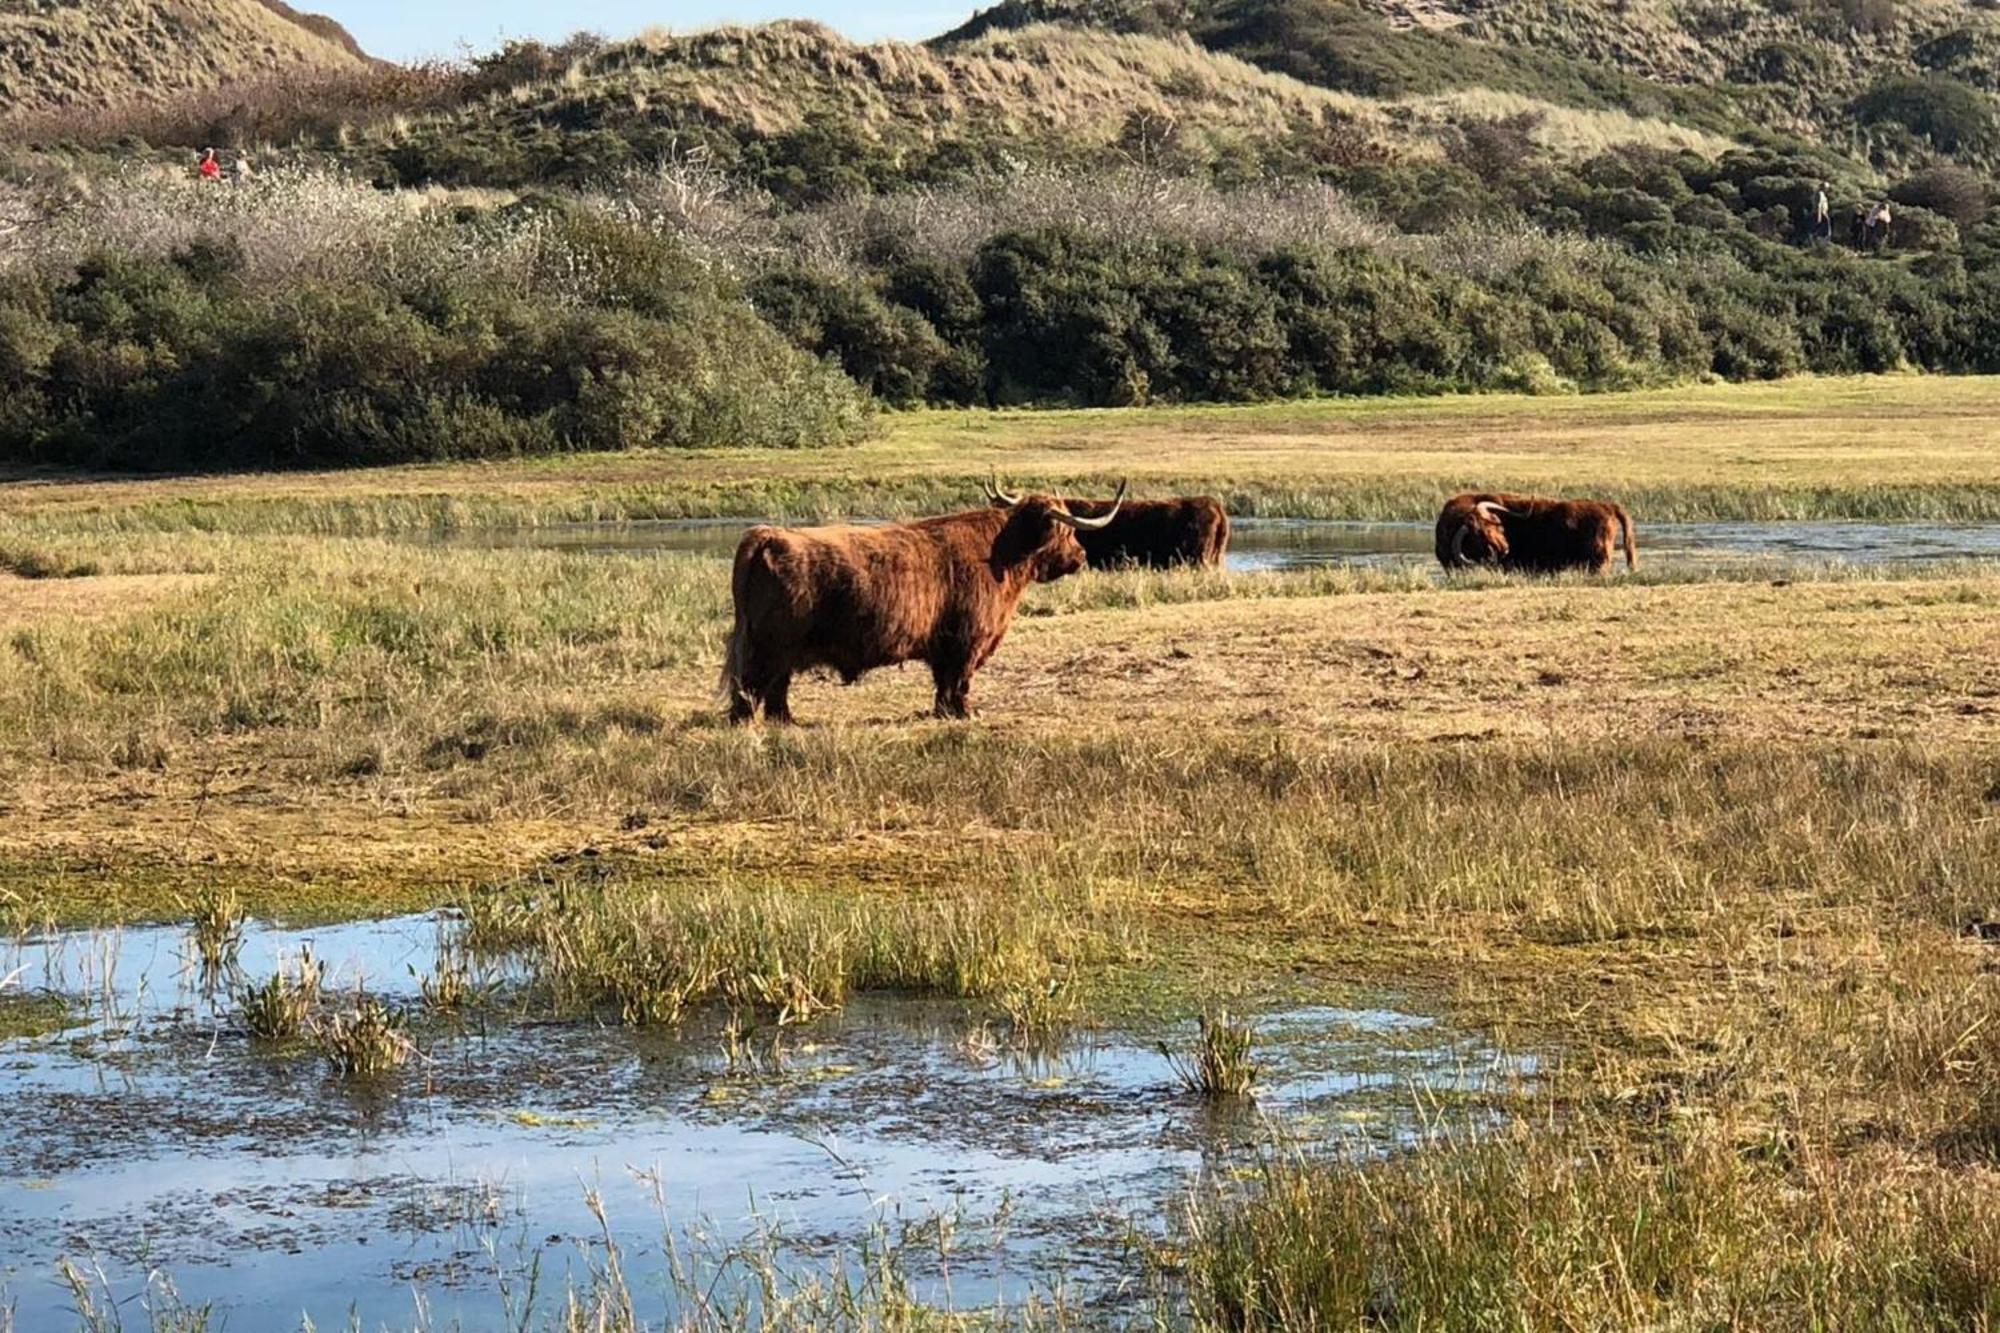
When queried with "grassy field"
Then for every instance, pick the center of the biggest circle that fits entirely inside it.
(1880, 448)
(1720, 851)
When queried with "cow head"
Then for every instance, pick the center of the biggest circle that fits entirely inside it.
(1040, 533)
(1481, 538)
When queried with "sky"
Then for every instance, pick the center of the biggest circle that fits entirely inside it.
(409, 29)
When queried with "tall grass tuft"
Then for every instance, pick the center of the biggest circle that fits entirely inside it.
(215, 928)
(1221, 1065)
(364, 1040)
(1590, 1226)
(282, 1006)
(450, 986)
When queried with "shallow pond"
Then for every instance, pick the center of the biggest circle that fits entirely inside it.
(1280, 544)
(153, 1135)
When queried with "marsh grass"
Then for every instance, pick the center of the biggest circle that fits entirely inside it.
(452, 985)
(73, 540)
(363, 1039)
(652, 955)
(867, 1286)
(1585, 1226)
(1222, 1063)
(281, 1008)
(1040, 1015)
(215, 929)
(99, 1309)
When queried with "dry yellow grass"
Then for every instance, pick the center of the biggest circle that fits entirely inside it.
(333, 712)
(1087, 86)
(28, 602)
(1570, 131)
(108, 51)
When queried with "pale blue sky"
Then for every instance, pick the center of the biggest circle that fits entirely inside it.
(405, 29)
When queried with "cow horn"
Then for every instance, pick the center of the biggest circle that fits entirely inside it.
(1094, 524)
(1491, 508)
(993, 492)
(1458, 546)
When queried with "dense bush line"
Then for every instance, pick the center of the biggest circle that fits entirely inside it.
(309, 319)
(1690, 268)
(484, 337)
(1056, 316)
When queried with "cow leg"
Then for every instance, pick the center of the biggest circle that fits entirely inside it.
(762, 682)
(954, 684)
(778, 700)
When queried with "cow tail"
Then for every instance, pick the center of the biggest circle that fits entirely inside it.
(736, 657)
(730, 688)
(1631, 541)
(1220, 551)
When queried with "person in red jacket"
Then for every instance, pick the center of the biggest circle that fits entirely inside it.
(210, 169)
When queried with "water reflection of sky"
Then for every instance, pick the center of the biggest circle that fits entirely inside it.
(153, 1135)
(1279, 544)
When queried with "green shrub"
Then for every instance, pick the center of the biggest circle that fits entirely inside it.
(1949, 191)
(1954, 116)
(890, 350)
(610, 338)
(1920, 229)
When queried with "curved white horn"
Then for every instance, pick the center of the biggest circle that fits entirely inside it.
(993, 492)
(1093, 524)
(1491, 508)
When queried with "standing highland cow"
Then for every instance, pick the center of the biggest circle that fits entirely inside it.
(941, 591)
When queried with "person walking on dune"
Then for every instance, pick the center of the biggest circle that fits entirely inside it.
(210, 169)
(1878, 225)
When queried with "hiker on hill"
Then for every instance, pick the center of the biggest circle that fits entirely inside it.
(1822, 217)
(1878, 225)
(210, 169)
(239, 170)
(1857, 227)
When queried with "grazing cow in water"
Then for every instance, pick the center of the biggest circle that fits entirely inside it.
(850, 599)
(1157, 534)
(1521, 532)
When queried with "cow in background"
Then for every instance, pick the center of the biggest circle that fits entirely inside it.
(1156, 534)
(1522, 532)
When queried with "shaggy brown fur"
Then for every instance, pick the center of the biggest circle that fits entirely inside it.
(850, 599)
(1523, 532)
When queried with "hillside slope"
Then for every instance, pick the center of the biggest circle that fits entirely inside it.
(801, 92)
(1896, 77)
(1813, 58)
(71, 53)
